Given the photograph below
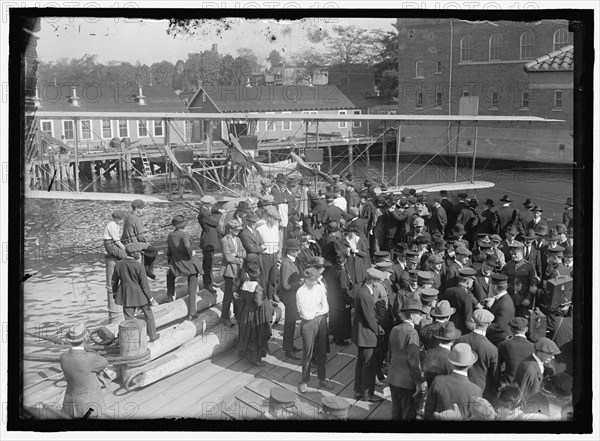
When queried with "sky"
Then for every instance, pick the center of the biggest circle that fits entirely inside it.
(147, 40)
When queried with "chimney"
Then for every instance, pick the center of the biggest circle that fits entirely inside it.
(36, 99)
(74, 99)
(215, 48)
(199, 84)
(141, 99)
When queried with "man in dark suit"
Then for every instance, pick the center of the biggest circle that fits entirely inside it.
(469, 218)
(455, 388)
(208, 218)
(506, 215)
(460, 297)
(135, 232)
(531, 254)
(524, 217)
(488, 219)
(290, 282)
(513, 350)
(405, 376)
(501, 304)
(484, 372)
(522, 283)
(436, 361)
(441, 313)
(530, 372)
(568, 213)
(182, 262)
(457, 208)
(365, 330)
(252, 241)
(444, 202)
(439, 219)
(537, 221)
(482, 286)
(453, 266)
(509, 238)
(80, 368)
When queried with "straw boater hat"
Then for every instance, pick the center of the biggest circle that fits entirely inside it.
(207, 200)
(76, 334)
(461, 355)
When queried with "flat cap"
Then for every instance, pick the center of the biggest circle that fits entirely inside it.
(516, 244)
(483, 317)
(546, 345)
(131, 248)
(384, 265)
(207, 199)
(425, 275)
(467, 272)
(374, 273)
(499, 279)
(463, 251)
(268, 198)
(518, 323)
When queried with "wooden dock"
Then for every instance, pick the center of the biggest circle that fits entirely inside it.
(225, 387)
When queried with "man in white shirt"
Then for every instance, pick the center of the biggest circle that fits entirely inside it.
(339, 200)
(269, 233)
(311, 300)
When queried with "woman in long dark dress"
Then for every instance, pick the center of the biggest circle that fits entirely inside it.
(339, 300)
(256, 316)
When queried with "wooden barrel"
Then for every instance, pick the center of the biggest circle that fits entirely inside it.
(132, 340)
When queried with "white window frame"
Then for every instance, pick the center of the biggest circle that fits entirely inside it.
(112, 131)
(559, 44)
(313, 112)
(466, 92)
(523, 106)
(555, 107)
(342, 124)
(51, 126)
(419, 69)
(438, 103)
(270, 127)
(356, 124)
(64, 132)
(286, 126)
(463, 48)
(529, 44)
(161, 126)
(139, 135)
(418, 97)
(497, 47)
(126, 127)
(494, 106)
(438, 67)
(81, 121)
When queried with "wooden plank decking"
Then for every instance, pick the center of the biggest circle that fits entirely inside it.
(224, 387)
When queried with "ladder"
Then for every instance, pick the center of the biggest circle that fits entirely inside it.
(145, 161)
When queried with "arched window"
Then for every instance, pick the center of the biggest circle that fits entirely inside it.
(466, 48)
(560, 39)
(495, 47)
(527, 40)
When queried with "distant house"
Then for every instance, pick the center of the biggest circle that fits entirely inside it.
(270, 99)
(95, 133)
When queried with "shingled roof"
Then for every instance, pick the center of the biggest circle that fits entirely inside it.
(269, 98)
(98, 98)
(559, 60)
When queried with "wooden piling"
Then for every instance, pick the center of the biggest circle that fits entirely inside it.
(115, 312)
(350, 157)
(132, 341)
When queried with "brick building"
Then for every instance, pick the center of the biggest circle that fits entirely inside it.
(444, 60)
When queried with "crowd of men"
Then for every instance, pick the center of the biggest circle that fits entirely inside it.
(440, 298)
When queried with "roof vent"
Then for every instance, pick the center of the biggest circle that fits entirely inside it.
(141, 99)
(248, 83)
(74, 99)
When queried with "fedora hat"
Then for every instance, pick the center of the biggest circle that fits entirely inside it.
(179, 221)
(537, 208)
(561, 228)
(459, 230)
(462, 355)
(76, 334)
(505, 198)
(553, 235)
(542, 230)
(489, 202)
(528, 203)
(463, 195)
(530, 235)
(447, 332)
(512, 230)
(333, 226)
(243, 206)
(491, 260)
(473, 203)
(413, 304)
(568, 252)
(132, 248)
(442, 309)
(352, 228)
(292, 245)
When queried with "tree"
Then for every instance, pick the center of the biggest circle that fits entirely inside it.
(202, 67)
(233, 70)
(251, 58)
(275, 58)
(162, 73)
(308, 59)
(351, 44)
(386, 71)
(142, 74)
